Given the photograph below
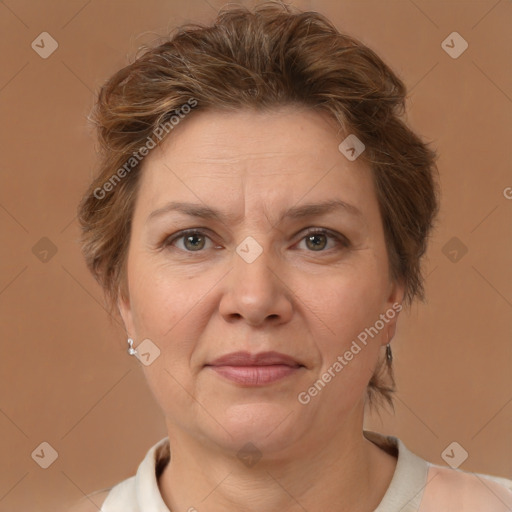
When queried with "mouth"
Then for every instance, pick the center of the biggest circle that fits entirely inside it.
(255, 369)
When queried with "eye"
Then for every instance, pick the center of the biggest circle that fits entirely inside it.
(192, 240)
(317, 240)
(195, 240)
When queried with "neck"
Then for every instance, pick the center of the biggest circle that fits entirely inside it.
(343, 472)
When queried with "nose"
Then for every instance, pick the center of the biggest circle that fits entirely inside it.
(256, 292)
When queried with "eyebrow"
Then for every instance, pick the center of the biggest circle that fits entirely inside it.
(294, 213)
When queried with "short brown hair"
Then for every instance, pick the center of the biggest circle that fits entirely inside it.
(262, 59)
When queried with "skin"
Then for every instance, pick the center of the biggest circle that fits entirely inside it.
(197, 300)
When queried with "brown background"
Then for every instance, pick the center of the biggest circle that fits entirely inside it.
(66, 376)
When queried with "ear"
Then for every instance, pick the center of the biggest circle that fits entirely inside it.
(396, 296)
(125, 310)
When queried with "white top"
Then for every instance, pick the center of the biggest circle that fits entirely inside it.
(416, 486)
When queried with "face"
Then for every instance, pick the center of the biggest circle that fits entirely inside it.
(253, 233)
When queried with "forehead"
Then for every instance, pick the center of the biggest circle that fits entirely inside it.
(286, 154)
(233, 137)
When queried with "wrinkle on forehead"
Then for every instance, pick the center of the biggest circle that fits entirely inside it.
(256, 163)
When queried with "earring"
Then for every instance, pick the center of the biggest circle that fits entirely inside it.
(131, 350)
(389, 354)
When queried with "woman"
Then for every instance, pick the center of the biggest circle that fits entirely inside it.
(258, 221)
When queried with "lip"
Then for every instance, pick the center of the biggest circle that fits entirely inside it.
(255, 369)
(261, 359)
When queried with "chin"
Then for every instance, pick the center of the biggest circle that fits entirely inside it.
(267, 425)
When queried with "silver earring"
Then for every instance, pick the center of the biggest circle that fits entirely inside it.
(131, 350)
(389, 354)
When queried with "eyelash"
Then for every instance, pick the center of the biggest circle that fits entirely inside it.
(340, 239)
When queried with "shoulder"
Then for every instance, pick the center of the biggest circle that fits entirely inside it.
(465, 492)
(120, 496)
(90, 503)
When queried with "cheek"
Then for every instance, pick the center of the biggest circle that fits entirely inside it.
(166, 310)
(345, 305)
(346, 363)
(162, 298)
(173, 311)
(350, 301)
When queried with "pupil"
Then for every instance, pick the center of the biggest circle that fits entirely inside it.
(190, 238)
(316, 244)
